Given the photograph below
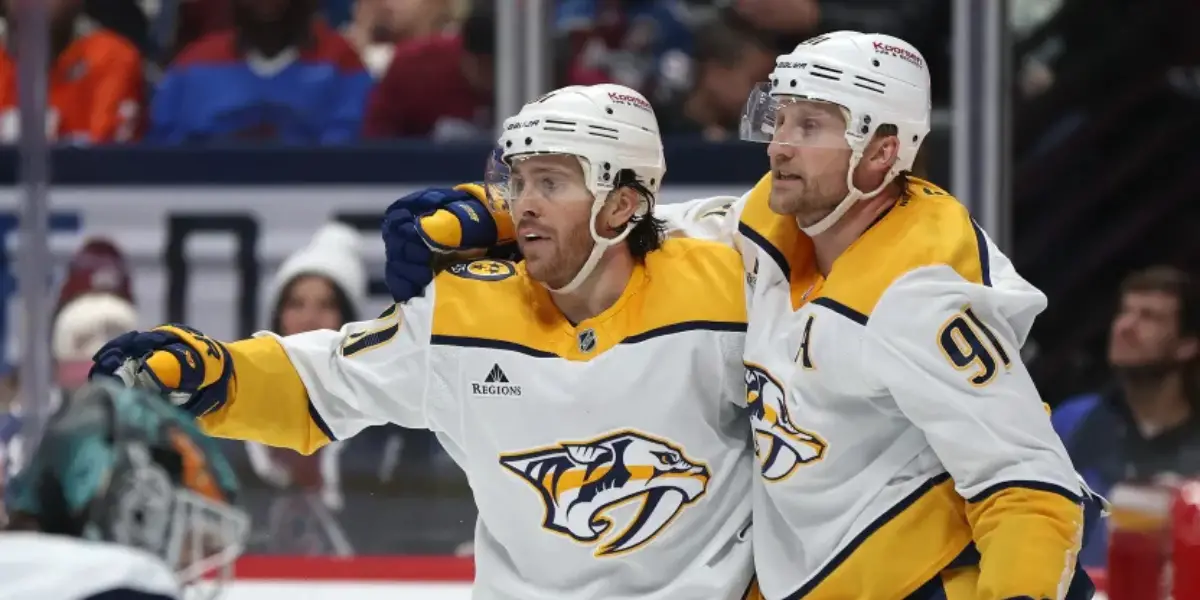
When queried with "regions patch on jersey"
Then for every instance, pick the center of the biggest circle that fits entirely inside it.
(484, 269)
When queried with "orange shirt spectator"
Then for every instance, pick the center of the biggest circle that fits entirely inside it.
(96, 91)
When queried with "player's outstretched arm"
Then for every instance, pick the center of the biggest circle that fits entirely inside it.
(299, 392)
(947, 352)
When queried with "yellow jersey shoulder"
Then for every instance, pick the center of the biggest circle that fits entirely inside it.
(927, 227)
(686, 284)
(690, 280)
(488, 299)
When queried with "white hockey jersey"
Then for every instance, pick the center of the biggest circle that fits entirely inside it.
(609, 459)
(897, 431)
(52, 567)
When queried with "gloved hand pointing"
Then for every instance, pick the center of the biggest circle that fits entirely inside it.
(436, 220)
(193, 370)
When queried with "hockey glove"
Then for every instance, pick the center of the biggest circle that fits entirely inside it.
(192, 369)
(436, 220)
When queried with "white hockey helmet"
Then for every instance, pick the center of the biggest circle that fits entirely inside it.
(608, 128)
(875, 79)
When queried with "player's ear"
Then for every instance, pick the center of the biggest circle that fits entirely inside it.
(882, 151)
(619, 208)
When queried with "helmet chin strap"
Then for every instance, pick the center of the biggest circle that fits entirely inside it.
(851, 198)
(599, 246)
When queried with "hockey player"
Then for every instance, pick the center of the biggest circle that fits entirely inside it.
(592, 393)
(903, 448)
(124, 498)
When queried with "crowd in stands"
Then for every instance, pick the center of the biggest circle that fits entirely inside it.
(338, 71)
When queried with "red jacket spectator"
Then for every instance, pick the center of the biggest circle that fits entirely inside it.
(439, 87)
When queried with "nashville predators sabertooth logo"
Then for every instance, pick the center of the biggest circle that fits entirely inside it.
(579, 482)
(780, 445)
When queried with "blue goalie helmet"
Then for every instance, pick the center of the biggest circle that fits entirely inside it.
(122, 465)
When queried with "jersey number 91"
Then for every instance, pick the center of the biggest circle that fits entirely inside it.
(970, 345)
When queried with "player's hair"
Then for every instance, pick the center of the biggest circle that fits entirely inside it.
(648, 231)
(296, 21)
(1175, 282)
(478, 30)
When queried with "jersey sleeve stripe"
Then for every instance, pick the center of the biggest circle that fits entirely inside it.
(128, 594)
(1040, 486)
(879, 552)
(320, 422)
(478, 342)
(373, 338)
(841, 309)
(736, 327)
(985, 267)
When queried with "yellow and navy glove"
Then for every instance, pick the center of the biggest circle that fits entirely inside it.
(438, 220)
(189, 367)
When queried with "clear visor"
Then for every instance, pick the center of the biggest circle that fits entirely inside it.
(793, 120)
(207, 539)
(550, 176)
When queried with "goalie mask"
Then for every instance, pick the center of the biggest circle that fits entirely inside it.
(121, 465)
(834, 91)
(610, 129)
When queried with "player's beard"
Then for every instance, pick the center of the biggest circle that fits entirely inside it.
(556, 263)
(1147, 371)
(809, 199)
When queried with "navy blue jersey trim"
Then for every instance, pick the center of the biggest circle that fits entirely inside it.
(129, 594)
(985, 261)
(319, 421)
(474, 342)
(685, 326)
(841, 309)
(866, 533)
(775, 254)
(1040, 486)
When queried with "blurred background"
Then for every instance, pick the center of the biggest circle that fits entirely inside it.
(225, 163)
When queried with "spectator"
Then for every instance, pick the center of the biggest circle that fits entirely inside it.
(626, 42)
(791, 16)
(195, 19)
(95, 304)
(321, 286)
(606, 41)
(123, 17)
(440, 86)
(378, 25)
(279, 74)
(1146, 424)
(95, 81)
(730, 60)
